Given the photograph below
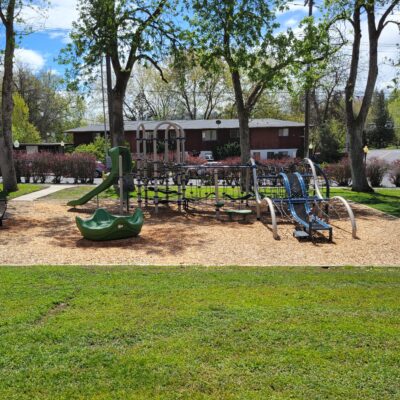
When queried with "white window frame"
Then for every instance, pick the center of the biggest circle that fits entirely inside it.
(209, 135)
(283, 132)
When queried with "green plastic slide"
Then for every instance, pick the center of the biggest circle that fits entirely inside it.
(112, 178)
(105, 226)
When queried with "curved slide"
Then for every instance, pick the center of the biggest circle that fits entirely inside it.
(112, 178)
(299, 208)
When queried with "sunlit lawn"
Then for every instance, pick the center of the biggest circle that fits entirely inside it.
(24, 188)
(199, 333)
(386, 200)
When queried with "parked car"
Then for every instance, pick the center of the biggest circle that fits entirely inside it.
(100, 168)
(209, 157)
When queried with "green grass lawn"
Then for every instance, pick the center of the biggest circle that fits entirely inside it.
(199, 333)
(386, 200)
(24, 188)
(77, 192)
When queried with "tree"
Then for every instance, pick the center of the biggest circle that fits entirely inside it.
(352, 11)
(8, 11)
(128, 32)
(200, 91)
(244, 33)
(382, 132)
(51, 108)
(394, 110)
(22, 129)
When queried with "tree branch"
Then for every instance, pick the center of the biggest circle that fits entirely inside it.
(154, 63)
(382, 24)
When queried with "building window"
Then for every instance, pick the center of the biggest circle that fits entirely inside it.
(234, 134)
(283, 154)
(284, 132)
(209, 135)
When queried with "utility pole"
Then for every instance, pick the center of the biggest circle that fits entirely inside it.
(307, 95)
(110, 98)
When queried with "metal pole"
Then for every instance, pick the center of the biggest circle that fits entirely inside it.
(216, 193)
(307, 94)
(110, 96)
(121, 187)
(104, 109)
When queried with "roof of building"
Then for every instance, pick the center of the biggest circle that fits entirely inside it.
(197, 124)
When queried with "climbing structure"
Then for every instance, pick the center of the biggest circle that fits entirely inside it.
(296, 191)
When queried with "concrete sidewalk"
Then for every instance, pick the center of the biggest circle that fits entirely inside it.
(43, 193)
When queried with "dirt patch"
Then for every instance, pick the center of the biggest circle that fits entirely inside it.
(44, 232)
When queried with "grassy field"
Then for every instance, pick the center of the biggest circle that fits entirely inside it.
(79, 191)
(199, 333)
(386, 200)
(24, 188)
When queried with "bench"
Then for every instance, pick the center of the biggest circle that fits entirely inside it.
(243, 213)
(3, 206)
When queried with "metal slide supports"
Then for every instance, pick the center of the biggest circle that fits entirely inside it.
(269, 202)
(315, 176)
(340, 198)
(351, 215)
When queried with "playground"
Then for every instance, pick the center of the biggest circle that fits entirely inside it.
(44, 232)
(166, 211)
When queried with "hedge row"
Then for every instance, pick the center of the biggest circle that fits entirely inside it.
(376, 169)
(37, 166)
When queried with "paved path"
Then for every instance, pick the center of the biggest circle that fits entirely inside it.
(42, 193)
(387, 155)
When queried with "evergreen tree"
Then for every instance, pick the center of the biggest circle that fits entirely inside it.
(382, 133)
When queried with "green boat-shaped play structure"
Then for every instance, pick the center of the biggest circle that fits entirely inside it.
(105, 226)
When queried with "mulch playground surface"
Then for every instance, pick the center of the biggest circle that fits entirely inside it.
(44, 232)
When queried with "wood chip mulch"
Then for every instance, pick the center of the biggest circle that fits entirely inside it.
(44, 232)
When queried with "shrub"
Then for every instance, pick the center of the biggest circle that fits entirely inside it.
(282, 164)
(394, 173)
(191, 160)
(376, 170)
(228, 150)
(96, 149)
(82, 167)
(340, 172)
(40, 166)
(59, 166)
(232, 161)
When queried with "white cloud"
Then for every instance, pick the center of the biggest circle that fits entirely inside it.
(291, 22)
(62, 35)
(294, 8)
(29, 58)
(58, 16)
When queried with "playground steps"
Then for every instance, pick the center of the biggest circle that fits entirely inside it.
(243, 213)
(300, 234)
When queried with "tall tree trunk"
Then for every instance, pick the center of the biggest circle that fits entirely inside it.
(358, 167)
(118, 99)
(7, 105)
(355, 125)
(243, 115)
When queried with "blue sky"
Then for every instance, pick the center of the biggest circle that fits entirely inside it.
(39, 50)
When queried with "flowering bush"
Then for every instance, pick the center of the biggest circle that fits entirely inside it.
(191, 160)
(231, 161)
(376, 170)
(340, 172)
(80, 166)
(394, 173)
(40, 166)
